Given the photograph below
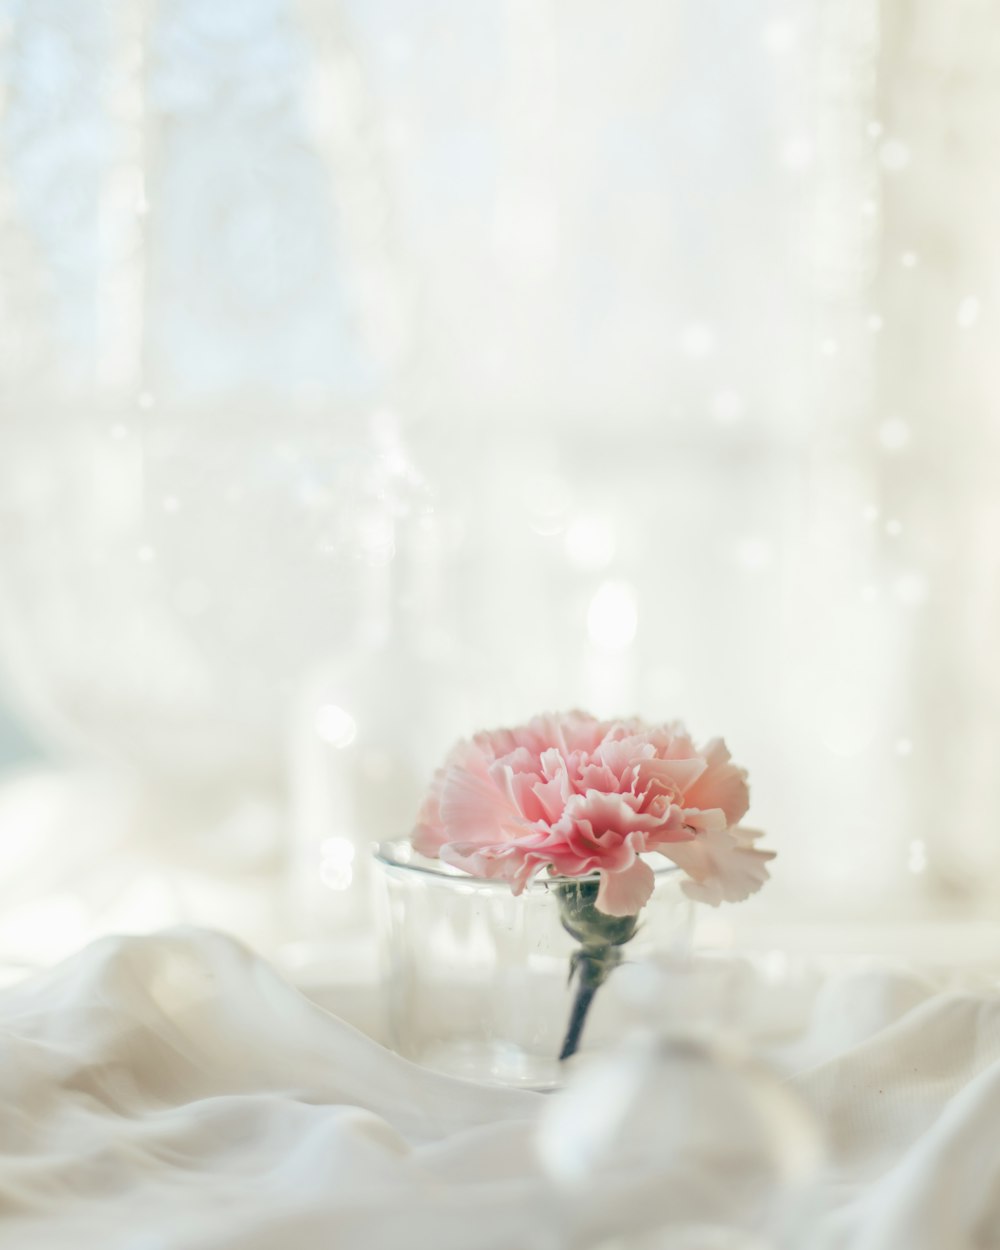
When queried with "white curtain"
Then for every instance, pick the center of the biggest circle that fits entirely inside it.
(372, 371)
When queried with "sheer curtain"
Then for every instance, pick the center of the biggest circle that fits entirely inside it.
(374, 371)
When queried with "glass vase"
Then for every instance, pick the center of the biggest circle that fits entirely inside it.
(485, 985)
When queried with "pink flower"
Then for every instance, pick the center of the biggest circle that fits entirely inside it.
(575, 795)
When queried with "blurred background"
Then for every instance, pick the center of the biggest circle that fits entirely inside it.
(372, 372)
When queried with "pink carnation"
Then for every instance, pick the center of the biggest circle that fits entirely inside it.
(575, 794)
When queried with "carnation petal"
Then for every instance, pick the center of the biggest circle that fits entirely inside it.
(506, 862)
(427, 839)
(473, 809)
(625, 893)
(572, 731)
(678, 775)
(705, 820)
(619, 814)
(722, 784)
(551, 798)
(724, 865)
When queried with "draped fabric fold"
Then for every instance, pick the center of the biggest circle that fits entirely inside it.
(173, 1091)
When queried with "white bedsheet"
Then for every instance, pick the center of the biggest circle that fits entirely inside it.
(173, 1091)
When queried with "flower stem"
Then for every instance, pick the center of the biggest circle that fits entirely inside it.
(581, 1005)
(599, 936)
(591, 974)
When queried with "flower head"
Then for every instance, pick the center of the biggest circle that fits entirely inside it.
(576, 795)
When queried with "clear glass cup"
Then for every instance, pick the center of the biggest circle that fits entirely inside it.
(478, 981)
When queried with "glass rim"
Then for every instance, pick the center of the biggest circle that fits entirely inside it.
(387, 854)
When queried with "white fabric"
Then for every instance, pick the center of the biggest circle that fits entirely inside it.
(173, 1091)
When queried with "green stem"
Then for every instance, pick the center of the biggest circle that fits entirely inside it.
(591, 966)
(581, 1005)
(599, 936)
